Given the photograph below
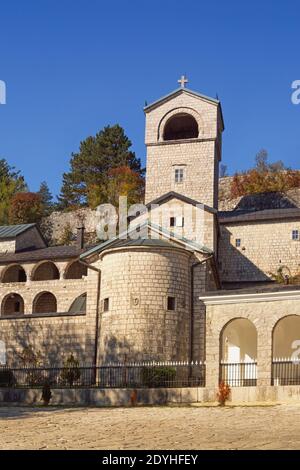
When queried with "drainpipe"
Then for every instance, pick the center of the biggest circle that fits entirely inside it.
(192, 306)
(98, 323)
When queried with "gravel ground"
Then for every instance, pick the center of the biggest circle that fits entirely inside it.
(269, 427)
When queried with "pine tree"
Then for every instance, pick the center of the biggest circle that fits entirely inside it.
(46, 198)
(109, 149)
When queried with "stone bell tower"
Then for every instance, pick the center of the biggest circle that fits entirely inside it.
(184, 145)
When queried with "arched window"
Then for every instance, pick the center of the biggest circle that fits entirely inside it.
(79, 304)
(2, 353)
(75, 270)
(238, 345)
(45, 302)
(14, 273)
(46, 271)
(181, 126)
(12, 304)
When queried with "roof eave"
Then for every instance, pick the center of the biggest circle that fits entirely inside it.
(156, 103)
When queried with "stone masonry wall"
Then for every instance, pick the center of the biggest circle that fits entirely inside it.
(265, 245)
(55, 336)
(8, 246)
(138, 324)
(199, 171)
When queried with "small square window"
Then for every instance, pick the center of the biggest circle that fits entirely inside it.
(106, 305)
(171, 303)
(177, 222)
(295, 235)
(178, 175)
(238, 242)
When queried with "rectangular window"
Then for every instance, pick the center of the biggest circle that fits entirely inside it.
(237, 242)
(177, 222)
(178, 175)
(171, 303)
(295, 235)
(106, 305)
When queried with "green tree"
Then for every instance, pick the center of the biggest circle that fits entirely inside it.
(11, 183)
(87, 179)
(46, 198)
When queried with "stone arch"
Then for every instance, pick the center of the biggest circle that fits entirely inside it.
(44, 302)
(75, 270)
(79, 304)
(238, 340)
(178, 114)
(45, 271)
(286, 337)
(14, 273)
(238, 353)
(12, 304)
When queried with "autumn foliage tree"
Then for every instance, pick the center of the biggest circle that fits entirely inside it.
(26, 208)
(121, 181)
(265, 177)
(11, 182)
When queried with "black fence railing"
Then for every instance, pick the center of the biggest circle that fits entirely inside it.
(130, 375)
(241, 374)
(285, 372)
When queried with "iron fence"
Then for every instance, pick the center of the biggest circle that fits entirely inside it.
(241, 374)
(130, 375)
(285, 372)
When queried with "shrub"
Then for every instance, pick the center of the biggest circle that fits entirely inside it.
(32, 360)
(67, 236)
(158, 376)
(6, 378)
(71, 371)
(46, 393)
(223, 393)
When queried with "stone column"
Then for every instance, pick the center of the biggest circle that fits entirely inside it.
(212, 351)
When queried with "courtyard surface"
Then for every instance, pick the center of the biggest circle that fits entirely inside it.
(270, 427)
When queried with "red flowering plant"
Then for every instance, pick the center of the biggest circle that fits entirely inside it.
(223, 393)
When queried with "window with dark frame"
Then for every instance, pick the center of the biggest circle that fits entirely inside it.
(171, 303)
(178, 175)
(106, 305)
(176, 221)
(238, 242)
(295, 235)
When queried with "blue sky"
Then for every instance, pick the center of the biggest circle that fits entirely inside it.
(72, 67)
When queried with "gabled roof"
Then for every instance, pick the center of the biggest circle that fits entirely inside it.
(179, 91)
(174, 195)
(120, 241)
(12, 231)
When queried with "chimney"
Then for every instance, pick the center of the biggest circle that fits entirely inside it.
(80, 238)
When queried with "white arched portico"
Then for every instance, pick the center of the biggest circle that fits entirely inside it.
(286, 351)
(238, 344)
